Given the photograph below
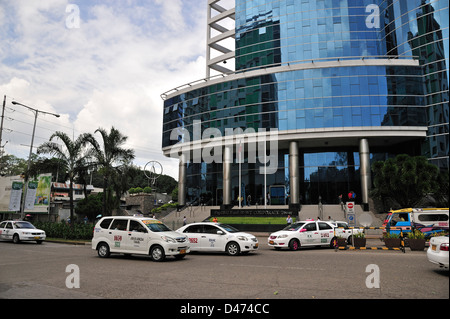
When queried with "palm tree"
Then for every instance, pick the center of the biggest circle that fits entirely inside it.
(110, 158)
(71, 157)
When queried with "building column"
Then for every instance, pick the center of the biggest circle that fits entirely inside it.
(227, 160)
(294, 182)
(366, 183)
(182, 181)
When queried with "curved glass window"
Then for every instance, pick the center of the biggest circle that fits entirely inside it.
(303, 99)
(420, 28)
(281, 31)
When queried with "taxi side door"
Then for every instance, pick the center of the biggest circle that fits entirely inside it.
(2, 229)
(137, 238)
(326, 233)
(194, 233)
(117, 235)
(309, 234)
(211, 240)
(7, 231)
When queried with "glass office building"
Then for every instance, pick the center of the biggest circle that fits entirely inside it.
(343, 83)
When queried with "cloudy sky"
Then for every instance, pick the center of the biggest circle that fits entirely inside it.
(97, 64)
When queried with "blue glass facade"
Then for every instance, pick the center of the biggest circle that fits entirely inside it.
(296, 30)
(304, 99)
(273, 35)
(420, 28)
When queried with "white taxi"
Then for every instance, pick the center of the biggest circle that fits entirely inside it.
(20, 230)
(138, 235)
(303, 233)
(344, 231)
(437, 252)
(209, 237)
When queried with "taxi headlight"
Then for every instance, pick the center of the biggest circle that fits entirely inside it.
(283, 236)
(168, 239)
(243, 238)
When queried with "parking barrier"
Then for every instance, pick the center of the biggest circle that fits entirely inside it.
(402, 240)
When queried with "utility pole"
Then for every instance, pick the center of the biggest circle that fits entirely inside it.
(1, 126)
(36, 112)
(3, 116)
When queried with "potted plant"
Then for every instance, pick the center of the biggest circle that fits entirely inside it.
(359, 240)
(392, 240)
(416, 240)
(340, 242)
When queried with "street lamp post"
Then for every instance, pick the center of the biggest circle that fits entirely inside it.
(36, 112)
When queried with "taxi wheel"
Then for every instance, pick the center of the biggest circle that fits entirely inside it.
(103, 250)
(294, 244)
(333, 243)
(16, 239)
(157, 253)
(233, 249)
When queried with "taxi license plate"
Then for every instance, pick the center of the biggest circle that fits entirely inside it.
(37, 237)
(256, 245)
(433, 247)
(183, 251)
(271, 242)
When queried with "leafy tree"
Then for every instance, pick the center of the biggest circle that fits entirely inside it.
(71, 157)
(404, 179)
(44, 165)
(110, 158)
(165, 184)
(11, 165)
(175, 194)
(90, 207)
(441, 194)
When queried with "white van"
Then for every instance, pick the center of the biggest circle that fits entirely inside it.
(138, 235)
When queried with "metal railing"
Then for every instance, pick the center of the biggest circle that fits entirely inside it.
(165, 95)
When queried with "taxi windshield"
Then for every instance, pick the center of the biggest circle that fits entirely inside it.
(229, 228)
(294, 227)
(21, 225)
(158, 227)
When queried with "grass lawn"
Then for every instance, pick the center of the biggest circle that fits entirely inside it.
(252, 220)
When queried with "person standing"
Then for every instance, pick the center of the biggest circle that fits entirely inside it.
(289, 220)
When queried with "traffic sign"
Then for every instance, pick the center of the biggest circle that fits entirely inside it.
(350, 207)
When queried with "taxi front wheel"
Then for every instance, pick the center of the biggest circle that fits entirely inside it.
(294, 244)
(16, 239)
(233, 249)
(103, 250)
(157, 253)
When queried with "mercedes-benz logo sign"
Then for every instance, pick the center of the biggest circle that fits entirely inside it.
(153, 170)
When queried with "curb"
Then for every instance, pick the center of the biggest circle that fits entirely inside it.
(368, 248)
(74, 242)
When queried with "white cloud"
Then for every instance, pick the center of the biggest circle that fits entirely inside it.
(108, 72)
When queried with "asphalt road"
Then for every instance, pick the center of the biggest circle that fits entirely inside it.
(28, 270)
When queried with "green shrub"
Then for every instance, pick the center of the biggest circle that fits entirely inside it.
(391, 235)
(416, 235)
(147, 190)
(66, 231)
(163, 207)
(359, 235)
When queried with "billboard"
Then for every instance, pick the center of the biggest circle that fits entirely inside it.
(37, 198)
(38, 194)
